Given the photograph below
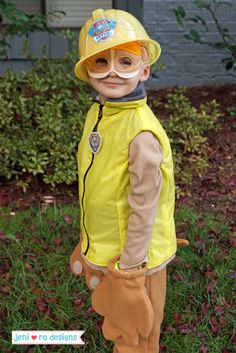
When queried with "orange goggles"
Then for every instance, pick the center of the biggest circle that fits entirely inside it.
(123, 63)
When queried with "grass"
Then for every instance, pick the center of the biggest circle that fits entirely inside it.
(38, 292)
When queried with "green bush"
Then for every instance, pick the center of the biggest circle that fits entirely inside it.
(41, 119)
(186, 127)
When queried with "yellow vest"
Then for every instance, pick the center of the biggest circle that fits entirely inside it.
(104, 183)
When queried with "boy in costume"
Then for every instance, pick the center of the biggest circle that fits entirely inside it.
(126, 184)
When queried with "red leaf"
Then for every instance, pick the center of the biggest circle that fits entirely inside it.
(200, 223)
(5, 290)
(58, 242)
(163, 348)
(184, 329)
(4, 267)
(213, 193)
(3, 199)
(198, 245)
(213, 321)
(215, 329)
(231, 181)
(90, 311)
(204, 349)
(68, 219)
(177, 317)
(225, 350)
(3, 235)
(78, 304)
(169, 329)
(98, 325)
(210, 287)
(205, 307)
(42, 306)
(221, 309)
(232, 241)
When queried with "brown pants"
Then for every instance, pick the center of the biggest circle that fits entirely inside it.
(156, 289)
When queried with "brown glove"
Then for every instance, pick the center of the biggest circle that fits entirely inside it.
(80, 268)
(182, 242)
(122, 299)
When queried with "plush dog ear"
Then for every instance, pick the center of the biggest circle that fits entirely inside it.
(80, 268)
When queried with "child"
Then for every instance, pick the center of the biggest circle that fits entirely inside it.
(126, 184)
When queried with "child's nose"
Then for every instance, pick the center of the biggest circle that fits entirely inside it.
(113, 73)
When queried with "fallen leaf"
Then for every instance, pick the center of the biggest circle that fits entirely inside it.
(184, 329)
(3, 235)
(215, 329)
(213, 321)
(204, 349)
(169, 329)
(177, 317)
(98, 325)
(231, 181)
(222, 321)
(200, 223)
(3, 199)
(5, 290)
(4, 267)
(198, 245)
(78, 304)
(163, 348)
(232, 241)
(221, 309)
(204, 308)
(213, 193)
(27, 266)
(210, 287)
(90, 311)
(68, 219)
(6, 276)
(213, 276)
(58, 242)
(42, 306)
(178, 277)
(33, 227)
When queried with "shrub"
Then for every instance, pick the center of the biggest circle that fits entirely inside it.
(41, 120)
(186, 127)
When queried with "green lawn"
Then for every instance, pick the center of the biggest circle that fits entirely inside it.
(38, 292)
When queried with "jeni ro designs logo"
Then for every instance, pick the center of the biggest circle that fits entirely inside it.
(47, 337)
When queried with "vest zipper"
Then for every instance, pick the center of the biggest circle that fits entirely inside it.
(85, 176)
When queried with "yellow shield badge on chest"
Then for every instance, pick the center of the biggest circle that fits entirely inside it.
(95, 142)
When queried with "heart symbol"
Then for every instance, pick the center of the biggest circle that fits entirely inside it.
(34, 337)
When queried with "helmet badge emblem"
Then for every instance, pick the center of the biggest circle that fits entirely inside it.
(102, 29)
(95, 142)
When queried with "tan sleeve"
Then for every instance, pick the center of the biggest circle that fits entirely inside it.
(145, 158)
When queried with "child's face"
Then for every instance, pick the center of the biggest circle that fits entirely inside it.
(116, 73)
